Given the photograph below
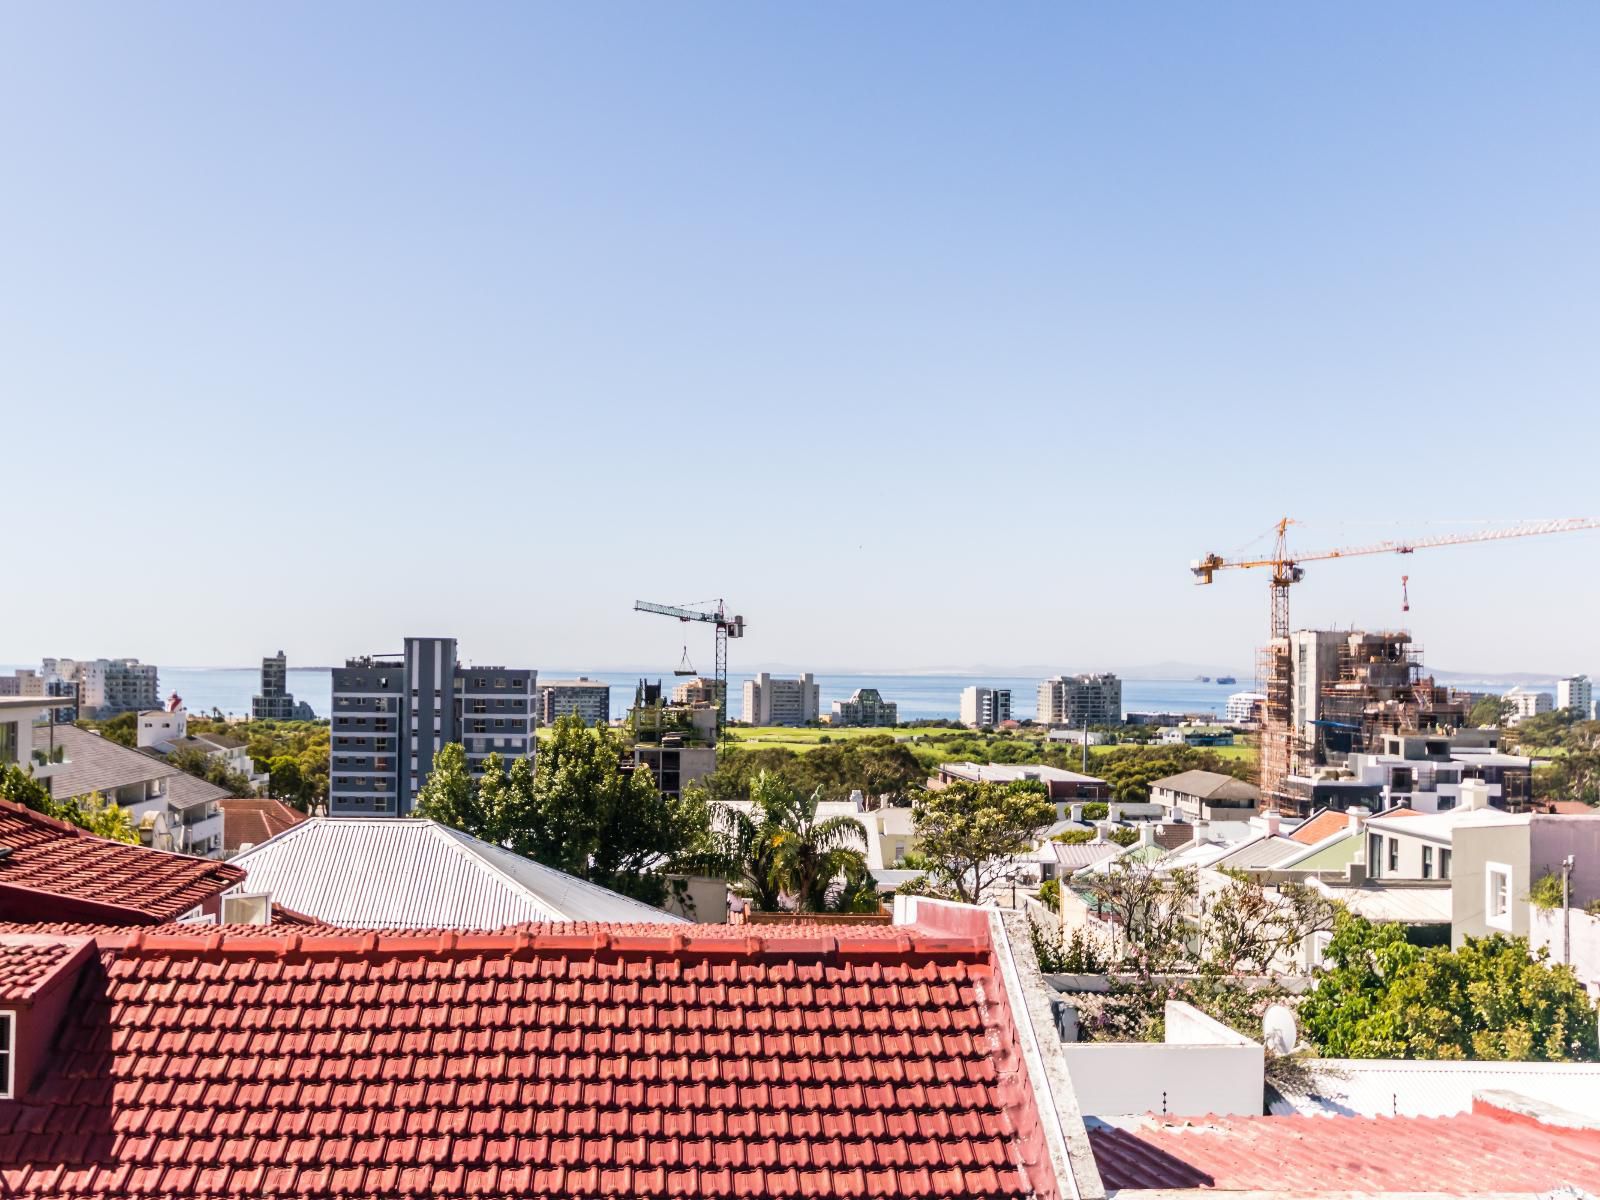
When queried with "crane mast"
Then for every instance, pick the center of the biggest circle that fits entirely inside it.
(726, 627)
(1274, 668)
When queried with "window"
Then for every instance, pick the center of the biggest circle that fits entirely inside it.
(1444, 864)
(1497, 895)
(8, 1038)
(1375, 853)
(1427, 862)
(1394, 854)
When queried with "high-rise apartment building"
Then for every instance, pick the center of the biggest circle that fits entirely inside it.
(393, 713)
(866, 707)
(106, 686)
(274, 703)
(985, 707)
(1080, 699)
(1527, 703)
(772, 701)
(1577, 693)
(589, 699)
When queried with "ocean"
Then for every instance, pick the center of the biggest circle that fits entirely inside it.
(920, 697)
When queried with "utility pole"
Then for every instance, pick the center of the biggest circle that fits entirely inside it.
(1567, 864)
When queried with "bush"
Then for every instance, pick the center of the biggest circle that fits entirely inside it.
(1050, 894)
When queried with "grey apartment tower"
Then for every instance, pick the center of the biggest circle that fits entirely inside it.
(392, 713)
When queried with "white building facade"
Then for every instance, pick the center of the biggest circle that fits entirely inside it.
(1576, 693)
(1080, 700)
(1526, 702)
(772, 701)
(985, 707)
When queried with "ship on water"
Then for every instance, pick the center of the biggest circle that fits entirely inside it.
(1226, 679)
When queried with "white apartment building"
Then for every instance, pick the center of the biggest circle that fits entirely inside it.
(1575, 692)
(106, 686)
(1526, 702)
(866, 707)
(1244, 708)
(589, 699)
(772, 701)
(1080, 699)
(985, 707)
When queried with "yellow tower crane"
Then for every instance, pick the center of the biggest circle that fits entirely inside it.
(1275, 667)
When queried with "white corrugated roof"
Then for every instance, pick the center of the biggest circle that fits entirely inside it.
(1398, 1087)
(1408, 905)
(383, 872)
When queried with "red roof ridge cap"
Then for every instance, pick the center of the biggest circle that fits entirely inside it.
(45, 819)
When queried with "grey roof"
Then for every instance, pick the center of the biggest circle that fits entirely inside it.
(386, 872)
(185, 791)
(97, 764)
(1083, 854)
(1209, 785)
(1263, 852)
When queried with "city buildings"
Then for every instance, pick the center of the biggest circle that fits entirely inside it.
(276, 703)
(107, 686)
(772, 701)
(588, 699)
(985, 707)
(866, 707)
(1244, 708)
(700, 690)
(1526, 702)
(1080, 700)
(393, 713)
(1576, 694)
(676, 743)
(1206, 796)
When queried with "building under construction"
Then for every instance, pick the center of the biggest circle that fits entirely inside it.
(1334, 693)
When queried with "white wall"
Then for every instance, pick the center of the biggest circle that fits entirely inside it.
(1203, 1067)
(1545, 929)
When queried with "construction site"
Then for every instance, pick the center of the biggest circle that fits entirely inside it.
(1330, 694)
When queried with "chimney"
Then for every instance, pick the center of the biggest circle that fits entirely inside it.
(1202, 827)
(1102, 831)
(1474, 794)
(1077, 812)
(1147, 834)
(1269, 822)
(1114, 813)
(1354, 817)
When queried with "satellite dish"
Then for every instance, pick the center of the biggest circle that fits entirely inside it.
(1279, 1033)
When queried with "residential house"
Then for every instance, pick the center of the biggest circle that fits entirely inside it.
(1061, 786)
(174, 810)
(1499, 857)
(1206, 795)
(405, 873)
(249, 820)
(165, 731)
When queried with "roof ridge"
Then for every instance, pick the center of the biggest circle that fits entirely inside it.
(464, 844)
(908, 940)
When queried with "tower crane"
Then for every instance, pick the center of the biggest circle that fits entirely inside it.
(726, 628)
(1286, 571)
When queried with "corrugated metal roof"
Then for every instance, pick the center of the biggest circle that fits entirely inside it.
(1409, 905)
(1399, 1087)
(379, 872)
(1263, 852)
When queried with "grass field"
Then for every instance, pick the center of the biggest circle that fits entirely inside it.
(802, 740)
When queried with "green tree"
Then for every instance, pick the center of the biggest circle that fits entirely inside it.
(1382, 997)
(193, 761)
(122, 728)
(90, 812)
(450, 796)
(1488, 711)
(778, 850)
(104, 819)
(970, 832)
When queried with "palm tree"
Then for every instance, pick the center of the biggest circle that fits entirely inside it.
(778, 849)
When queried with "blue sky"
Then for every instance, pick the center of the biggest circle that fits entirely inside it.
(929, 335)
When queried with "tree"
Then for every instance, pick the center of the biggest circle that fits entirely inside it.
(450, 796)
(1153, 910)
(970, 832)
(1247, 929)
(122, 729)
(193, 761)
(91, 812)
(1488, 711)
(1385, 998)
(780, 855)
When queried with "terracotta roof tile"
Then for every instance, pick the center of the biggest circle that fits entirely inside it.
(647, 1061)
(1449, 1155)
(58, 871)
(29, 962)
(1324, 825)
(249, 821)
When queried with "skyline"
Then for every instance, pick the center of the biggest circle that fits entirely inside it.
(925, 339)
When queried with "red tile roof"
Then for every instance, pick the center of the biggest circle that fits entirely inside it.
(558, 1060)
(1324, 825)
(58, 872)
(1485, 1149)
(248, 821)
(29, 962)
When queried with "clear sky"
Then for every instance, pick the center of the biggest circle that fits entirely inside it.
(927, 334)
